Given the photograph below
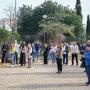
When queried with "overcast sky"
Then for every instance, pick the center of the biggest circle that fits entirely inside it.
(85, 5)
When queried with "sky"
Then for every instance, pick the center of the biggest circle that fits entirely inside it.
(84, 3)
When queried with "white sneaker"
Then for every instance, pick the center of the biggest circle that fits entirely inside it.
(12, 66)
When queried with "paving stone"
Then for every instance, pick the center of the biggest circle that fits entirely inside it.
(43, 77)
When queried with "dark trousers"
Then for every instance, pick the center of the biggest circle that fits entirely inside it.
(59, 64)
(76, 57)
(22, 59)
(88, 73)
(65, 58)
(82, 62)
(4, 58)
(45, 58)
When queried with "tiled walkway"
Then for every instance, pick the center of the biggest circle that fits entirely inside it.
(43, 77)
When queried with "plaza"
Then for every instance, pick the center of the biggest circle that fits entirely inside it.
(42, 77)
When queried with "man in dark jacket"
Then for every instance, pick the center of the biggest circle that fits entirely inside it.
(4, 53)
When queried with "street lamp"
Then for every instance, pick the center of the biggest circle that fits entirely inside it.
(44, 17)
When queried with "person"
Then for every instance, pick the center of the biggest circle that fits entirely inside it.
(45, 54)
(16, 51)
(74, 51)
(22, 54)
(65, 51)
(33, 53)
(59, 58)
(12, 49)
(53, 52)
(28, 54)
(87, 61)
(37, 49)
(4, 53)
(82, 50)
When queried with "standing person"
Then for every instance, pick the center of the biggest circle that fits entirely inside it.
(87, 61)
(45, 54)
(16, 51)
(53, 52)
(28, 54)
(82, 50)
(33, 53)
(4, 53)
(12, 49)
(59, 58)
(65, 51)
(74, 51)
(37, 49)
(22, 54)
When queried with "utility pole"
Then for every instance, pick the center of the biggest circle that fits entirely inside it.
(16, 15)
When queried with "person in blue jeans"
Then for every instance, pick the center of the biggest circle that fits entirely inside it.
(12, 54)
(37, 49)
(33, 53)
(53, 52)
(87, 61)
(65, 51)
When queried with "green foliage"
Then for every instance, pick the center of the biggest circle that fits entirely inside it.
(54, 31)
(8, 36)
(78, 8)
(4, 34)
(76, 21)
(25, 20)
(88, 26)
(30, 21)
(14, 36)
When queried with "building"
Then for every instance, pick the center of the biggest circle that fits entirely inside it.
(7, 24)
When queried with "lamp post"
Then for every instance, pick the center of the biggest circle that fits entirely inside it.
(44, 17)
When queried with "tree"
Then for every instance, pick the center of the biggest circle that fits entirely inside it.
(4, 34)
(8, 36)
(53, 31)
(79, 26)
(88, 26)
(25, 20)
(29, 20)
(78, 8)
(10, 15)
(76, 21)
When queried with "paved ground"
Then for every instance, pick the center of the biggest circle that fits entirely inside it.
(42, 77)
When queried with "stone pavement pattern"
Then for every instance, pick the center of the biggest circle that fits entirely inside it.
(43, 77)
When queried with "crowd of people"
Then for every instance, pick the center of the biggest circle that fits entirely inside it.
(20, 53)
(58, 52)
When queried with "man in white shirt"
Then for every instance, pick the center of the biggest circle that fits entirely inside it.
(74, 51)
